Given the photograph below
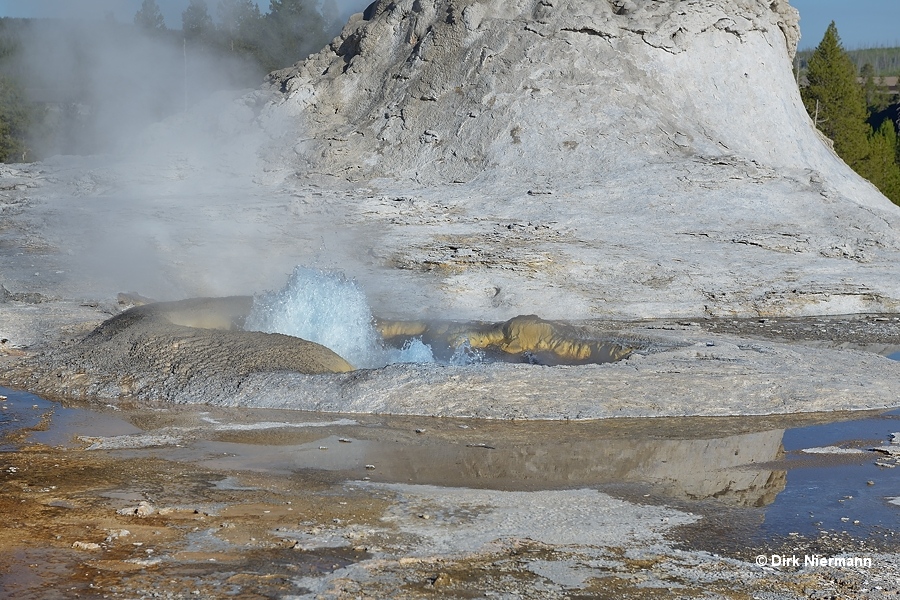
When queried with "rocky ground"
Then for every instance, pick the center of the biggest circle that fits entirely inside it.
(153, 502)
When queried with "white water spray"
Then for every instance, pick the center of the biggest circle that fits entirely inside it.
(328, 308)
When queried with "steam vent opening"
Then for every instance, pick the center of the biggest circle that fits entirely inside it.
(330, 309)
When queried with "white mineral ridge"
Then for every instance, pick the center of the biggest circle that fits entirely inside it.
(587, 158)
(732, 377)
(832, 450)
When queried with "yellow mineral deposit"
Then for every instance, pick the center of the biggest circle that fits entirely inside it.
(524, 334)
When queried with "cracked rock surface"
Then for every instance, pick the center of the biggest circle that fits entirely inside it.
(592, 158)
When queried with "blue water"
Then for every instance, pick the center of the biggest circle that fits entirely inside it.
(20, 410)
(62, 425)
(330, 309)
(822, 490)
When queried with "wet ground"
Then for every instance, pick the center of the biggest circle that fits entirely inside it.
(878, 333)
(260, 503)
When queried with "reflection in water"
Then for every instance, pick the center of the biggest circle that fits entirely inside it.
(692, 469)
(838, 492)
(738, 461)
(677, 458)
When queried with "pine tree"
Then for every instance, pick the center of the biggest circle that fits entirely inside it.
(195, 20)
(897, 127)
(835, 100)
(149, 17)
(240, 24)
(15, 117)
(880, 166)
(897, 159)
(870, 90)
(295, 28)
(238, 16)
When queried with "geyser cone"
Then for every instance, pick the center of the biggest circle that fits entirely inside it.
(625, 157)
(443, 90)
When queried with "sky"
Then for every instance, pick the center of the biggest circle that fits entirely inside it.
(861, 23)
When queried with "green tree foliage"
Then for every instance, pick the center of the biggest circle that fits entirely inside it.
(885, 60)
(876, 99)
(240, 27)
(15, 117)
(238, 18)
(842, 110)
(195, 21)
(880, 166)
(16, 112)
(898, 148)
(289, 32)
(149, 17)
(294, 29)
(835, 100)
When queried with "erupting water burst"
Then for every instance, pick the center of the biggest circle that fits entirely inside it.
(328, 308)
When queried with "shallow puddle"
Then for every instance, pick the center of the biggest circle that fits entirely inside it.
(755, 464)
(853, 492)
(51, 423)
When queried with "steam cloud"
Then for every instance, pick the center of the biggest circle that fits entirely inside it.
(168, 161)
(105, 82)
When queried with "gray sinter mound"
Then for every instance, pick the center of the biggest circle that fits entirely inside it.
(189, 352)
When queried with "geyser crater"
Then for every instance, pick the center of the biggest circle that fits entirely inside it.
(330, 309)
